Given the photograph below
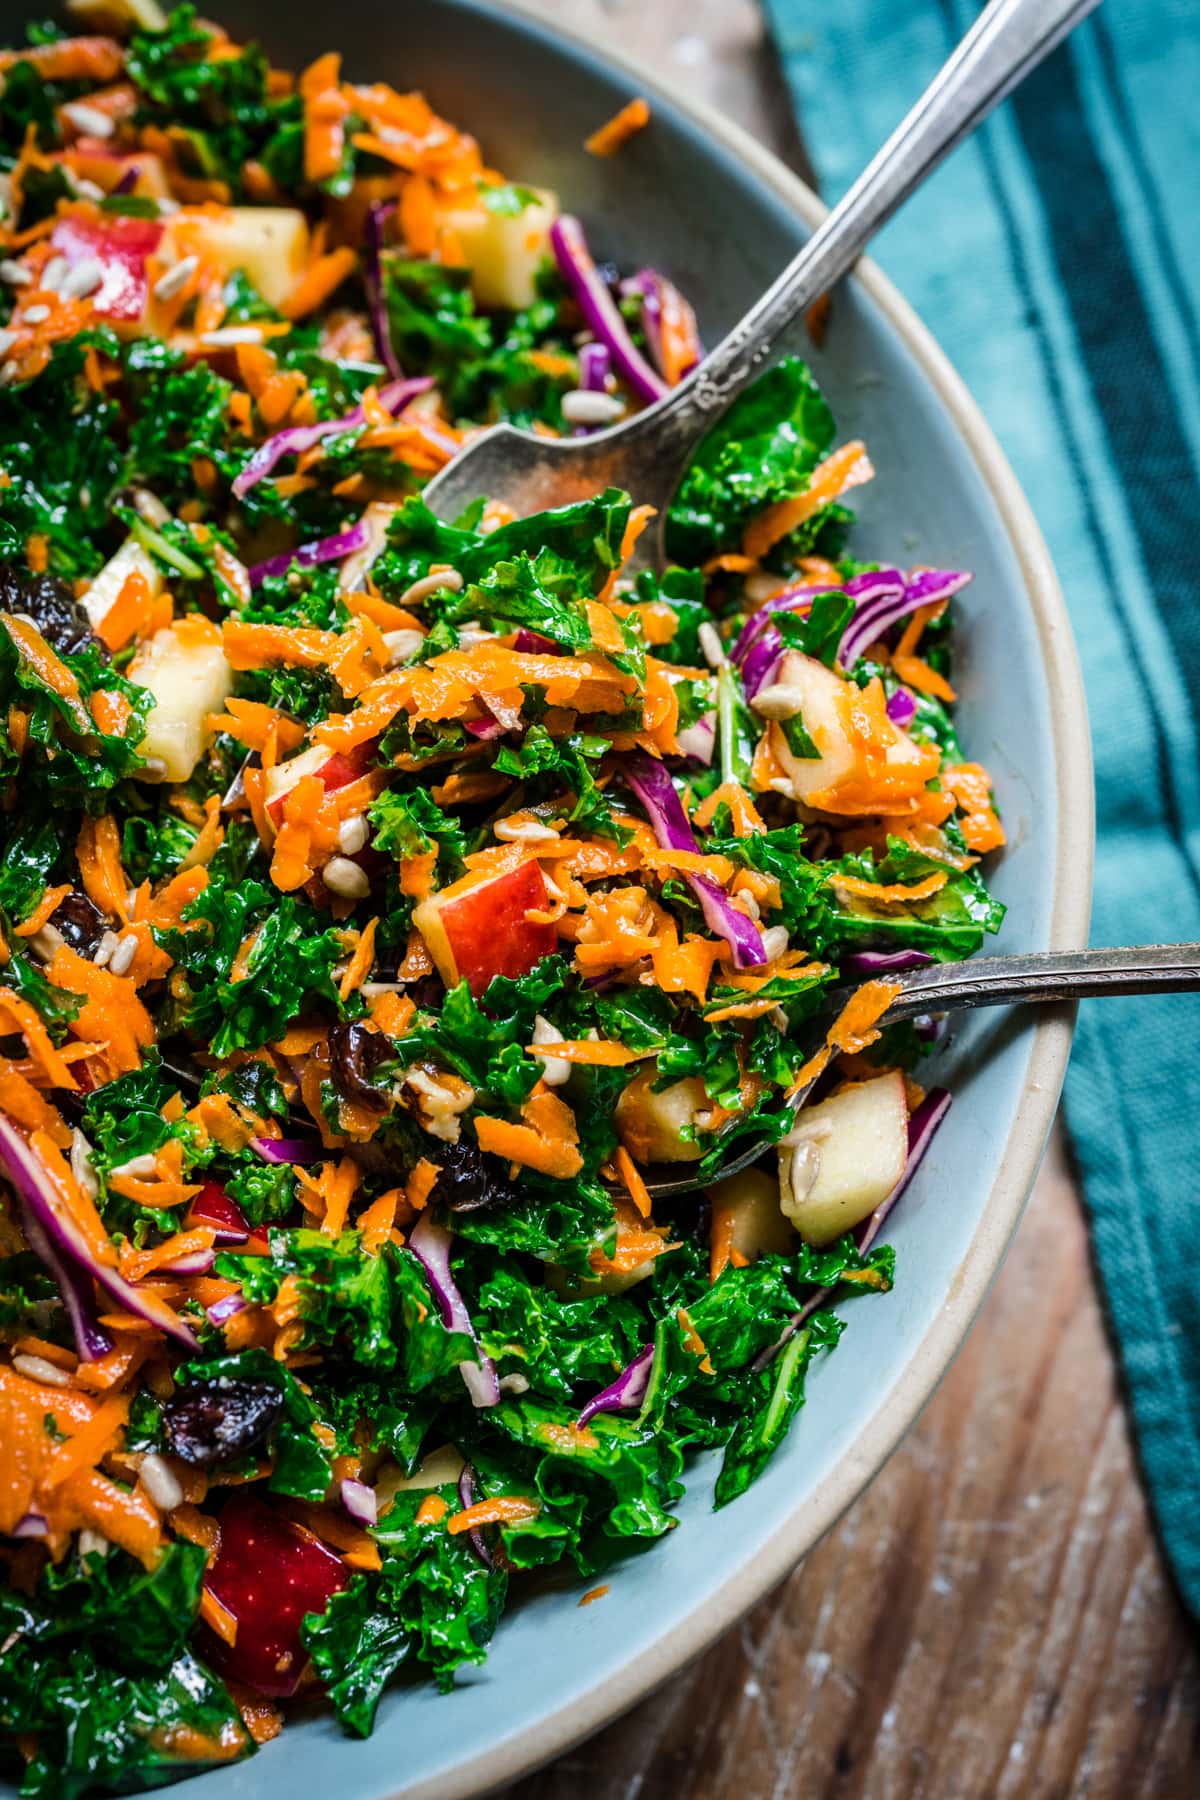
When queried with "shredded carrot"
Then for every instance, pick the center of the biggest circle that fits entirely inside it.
(20, 1016)
(506, 1509)
(421, 1183)
(90, 1444)
(377, 1221)
(217, 1617)
(630, 1174)
(360, 964)
(912, 668)
(594, 1052)
(432, 1510)
(692, 1341)
(855, 1029)
(846, 468)
(596, 1593)
(319, 282)
(971, 787)
(893, 894)
(610, 136)
(98, 851)
(49, 903)
(721, 1234)
(127, 617)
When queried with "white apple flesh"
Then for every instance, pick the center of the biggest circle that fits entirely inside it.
(844, 1157)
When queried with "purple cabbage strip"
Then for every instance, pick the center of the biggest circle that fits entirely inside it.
(532, 643)
(430, 1244)
(861, 588)
(595, 363)
(652, 784)
(32, 1524)
(623, 1394)
(600, 311)
(55, 1228)
(360, 1501)
(885, 962)
(228, 1308)
(878, 613)
(761, 661)
(128, 181)
(287, 1150)
(381, 326)
(699, 740)
(901, 708)
(295, 439)
(654, 289)
(466, 1496)
(92, 1341)
(198, 1263)
(310, 556)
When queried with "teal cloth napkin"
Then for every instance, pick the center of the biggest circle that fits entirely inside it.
(1056, 257)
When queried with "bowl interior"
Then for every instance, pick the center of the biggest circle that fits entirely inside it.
(682, 197)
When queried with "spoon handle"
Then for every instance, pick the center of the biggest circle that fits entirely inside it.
(1009, 38)
(1048, 975)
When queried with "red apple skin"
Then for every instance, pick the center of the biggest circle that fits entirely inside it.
(337, 772)
(120, 245)
(268, 1574)
(213, 1206)
(485, 928)
(95, 160)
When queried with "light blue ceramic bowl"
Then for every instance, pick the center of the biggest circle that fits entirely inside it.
(706, 203)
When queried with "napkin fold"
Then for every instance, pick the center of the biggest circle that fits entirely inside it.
(1057, 260)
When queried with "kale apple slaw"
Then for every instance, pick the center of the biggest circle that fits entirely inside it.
(381, 897)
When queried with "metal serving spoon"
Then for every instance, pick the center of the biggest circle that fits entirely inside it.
(648, 454)
(1044, 977)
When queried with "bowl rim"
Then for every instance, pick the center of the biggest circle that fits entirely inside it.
(530, 1747)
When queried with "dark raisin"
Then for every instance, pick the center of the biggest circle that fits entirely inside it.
(52, 606)
(214, 1421)
(355, 1054)
(80, 923)
(468, 1180)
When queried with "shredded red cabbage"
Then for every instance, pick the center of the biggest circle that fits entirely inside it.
(430, 1244)
(310, 556)
(595, 365)
(287, 1150)
(699, 740)
(228, 1308)
(297, 438)
(623, 1394)
(54, 1228)
(652, 784)
(381, 326)
(885, 962)
(901, 708)
(877, 613)
(360, 1501)
(466, 1496)
(657, 294)
(600, 311)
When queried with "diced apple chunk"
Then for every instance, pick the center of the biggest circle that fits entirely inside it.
(651, 1125)
(270, 243)
(818, 694)
(477, 929)
(760, 1225)
(504, 251)
(186, 672)
(102, 594)
(843, 1158)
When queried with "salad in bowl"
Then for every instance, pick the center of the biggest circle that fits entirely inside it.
(384, 898)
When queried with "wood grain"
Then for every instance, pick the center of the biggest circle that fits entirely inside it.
(992, 1620)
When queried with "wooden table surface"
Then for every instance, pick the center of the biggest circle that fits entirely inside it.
(993, 1617)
